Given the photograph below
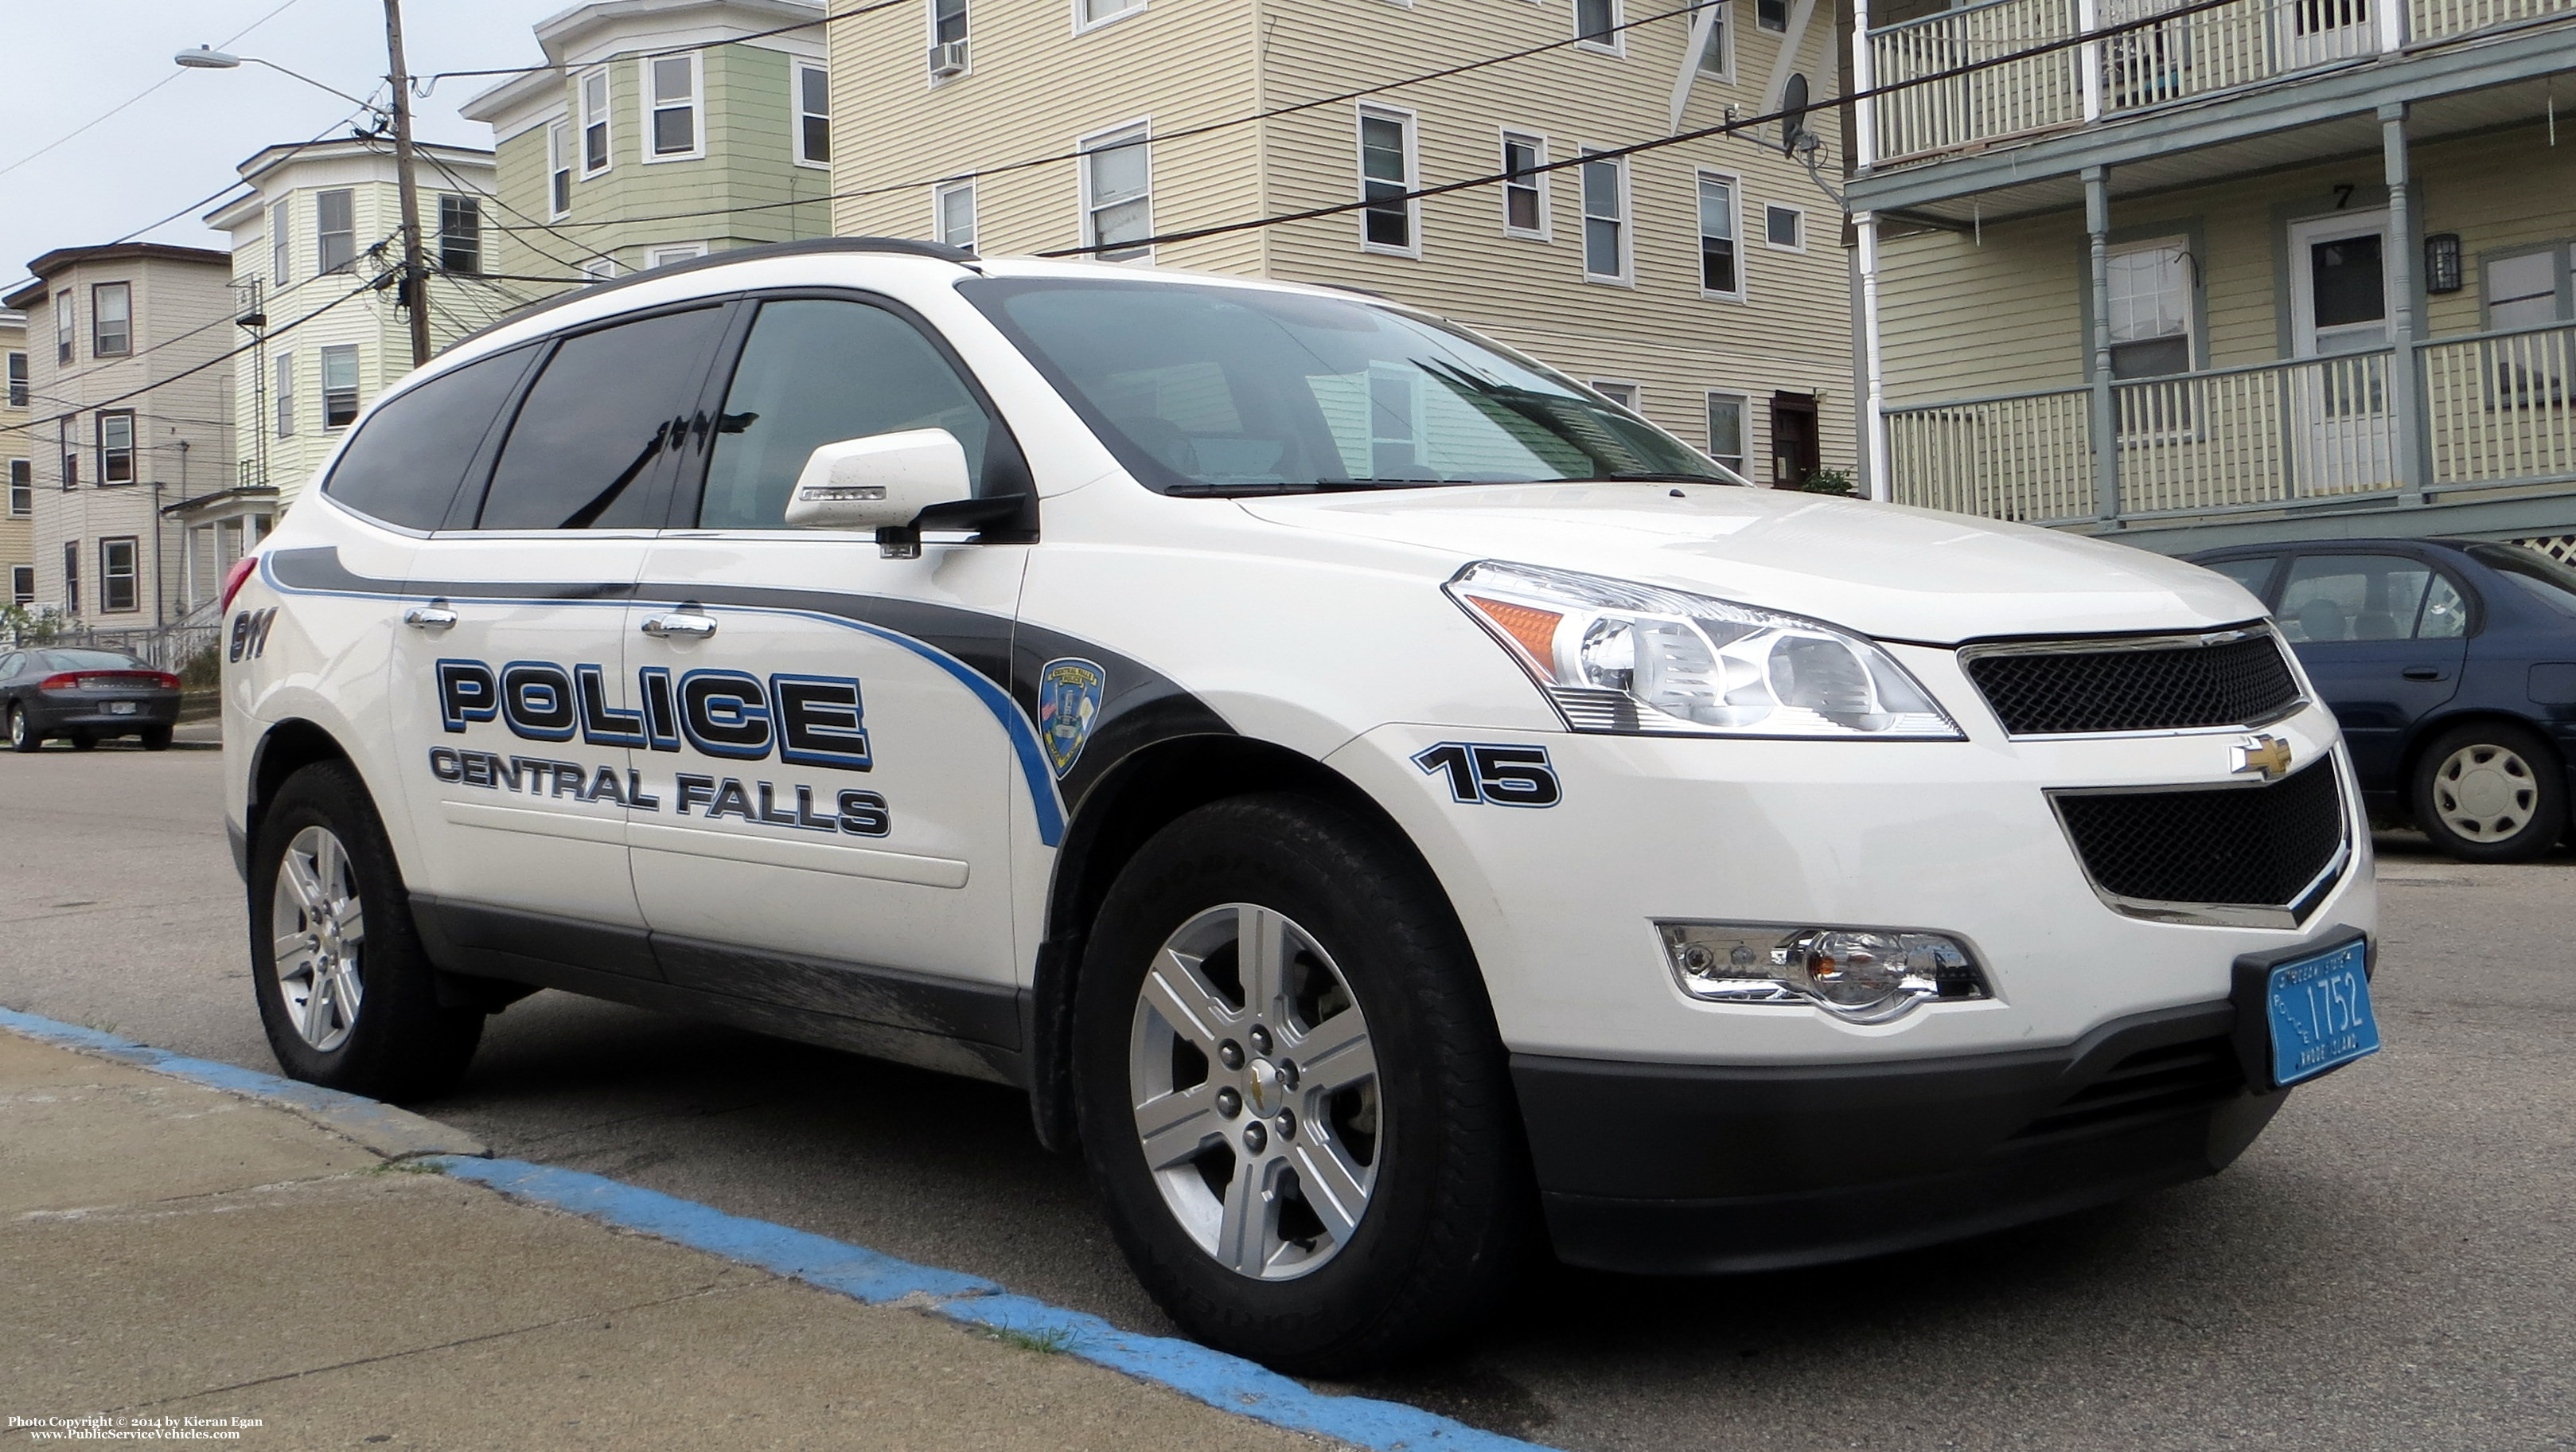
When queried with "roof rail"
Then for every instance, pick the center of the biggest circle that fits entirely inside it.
(909, 246)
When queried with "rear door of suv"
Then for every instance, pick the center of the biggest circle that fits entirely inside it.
(2383, 634)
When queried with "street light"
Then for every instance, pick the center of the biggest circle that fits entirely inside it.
(415, 275)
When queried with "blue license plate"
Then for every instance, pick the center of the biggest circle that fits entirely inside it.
(2320, 1012)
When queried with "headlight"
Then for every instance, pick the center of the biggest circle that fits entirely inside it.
(1862, 975)
(1619, 657)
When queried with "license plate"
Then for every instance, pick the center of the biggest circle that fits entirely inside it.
(2320, 1013)
(120, 708)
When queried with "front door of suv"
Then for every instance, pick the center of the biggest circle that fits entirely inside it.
(849, 757)
(515, 711)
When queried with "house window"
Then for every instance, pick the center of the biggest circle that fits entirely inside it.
(339, 385)
(1524, 185)
(2150, 292)
(1605, 219)
(460, 236)
(63, 324)
(671, 120)
(1719, 267)
(22, 488)
(69, 454)
(284, 392)
(1596, 22)
(280, 245)
(1726, 415)
(1094, 12)
(1386, 175)
(116, 447)
(1772, 15)
(1623, 394)
(336, 228)
(1117, 194)
(1717, 57)
(676, 252)
(111, 320)
(558, 170)
(814, 113)
(952, 209)
(948, 54)
(594, 123)
(71, 576)
(17, 380)
(1785, 227)
(599, 269)
(2525, 290)
(22, 584)
(116, 576)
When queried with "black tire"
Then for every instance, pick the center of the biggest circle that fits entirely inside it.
(23, 737)
(400, 1044)
(156, 738)
(1452, 1215)
(83, 741)
(2490, 791)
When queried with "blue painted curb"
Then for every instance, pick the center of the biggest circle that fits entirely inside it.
(1227, 1383)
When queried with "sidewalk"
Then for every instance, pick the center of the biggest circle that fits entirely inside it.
(171, 1251)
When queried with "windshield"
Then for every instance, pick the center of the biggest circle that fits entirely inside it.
(2544, 578)
(91, 660)
(1228, 390)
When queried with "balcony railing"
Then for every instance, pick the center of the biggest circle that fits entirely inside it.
(2206, 51)
(2495, 409)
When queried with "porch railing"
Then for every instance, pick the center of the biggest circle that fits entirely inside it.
(2219, 49)
(2496, 409)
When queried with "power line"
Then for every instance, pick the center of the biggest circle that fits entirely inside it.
(137, 96)
(196, 368)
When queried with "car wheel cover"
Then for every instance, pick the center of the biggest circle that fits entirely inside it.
(2485, 793)
(1255, 1088)
(321, 935)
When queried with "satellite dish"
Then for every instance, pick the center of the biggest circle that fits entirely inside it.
(1793, 113)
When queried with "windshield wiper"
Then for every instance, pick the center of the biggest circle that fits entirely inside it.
(1212, 489)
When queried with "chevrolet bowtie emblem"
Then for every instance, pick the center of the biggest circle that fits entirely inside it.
(2269, 755)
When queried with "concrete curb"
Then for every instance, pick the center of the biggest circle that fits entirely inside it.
(1227, 1383)
(396, 1134)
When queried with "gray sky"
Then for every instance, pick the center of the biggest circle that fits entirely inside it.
(72, 60)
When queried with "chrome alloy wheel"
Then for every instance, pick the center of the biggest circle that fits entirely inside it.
(321, 933)
(2485, 793)
(1256, 1092)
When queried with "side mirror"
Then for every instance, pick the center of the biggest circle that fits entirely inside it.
(882, 481)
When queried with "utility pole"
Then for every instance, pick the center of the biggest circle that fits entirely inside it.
(414, 288)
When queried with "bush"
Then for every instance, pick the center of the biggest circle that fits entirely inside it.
(1831, 481)
(202, 671)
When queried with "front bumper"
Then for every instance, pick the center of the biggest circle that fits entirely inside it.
(1696, 1169)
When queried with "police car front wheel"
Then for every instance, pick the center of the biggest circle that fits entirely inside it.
(345, 993)
(1293, 1097)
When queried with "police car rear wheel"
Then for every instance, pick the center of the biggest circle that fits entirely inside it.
(345, 993)
(1293, 1097)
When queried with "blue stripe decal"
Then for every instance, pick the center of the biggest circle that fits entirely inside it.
(1230, 1384)
(1025, 745)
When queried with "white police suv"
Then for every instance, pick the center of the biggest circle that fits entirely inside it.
(1393, 809)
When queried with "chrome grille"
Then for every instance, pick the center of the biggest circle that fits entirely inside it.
(2136, 683)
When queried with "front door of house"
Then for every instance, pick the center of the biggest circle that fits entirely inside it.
(2341, 434)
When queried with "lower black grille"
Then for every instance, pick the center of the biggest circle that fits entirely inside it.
(2248, 846)
(2161, 688)
(2167, 1080)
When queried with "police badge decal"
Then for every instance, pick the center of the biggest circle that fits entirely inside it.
(1068, 702)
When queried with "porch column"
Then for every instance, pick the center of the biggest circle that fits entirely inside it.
(1873, 392)
(2410, 449)
(2105, 419)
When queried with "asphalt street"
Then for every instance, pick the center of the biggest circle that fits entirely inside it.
(2392, 1266)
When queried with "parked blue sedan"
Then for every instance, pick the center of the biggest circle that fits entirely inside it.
(2451, 664)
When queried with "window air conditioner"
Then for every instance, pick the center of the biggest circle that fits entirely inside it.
(948, 58)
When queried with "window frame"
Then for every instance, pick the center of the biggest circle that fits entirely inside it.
(933, 43)
(1403, 119)
(466, 205)
(2191, 320)
(323, 266)
(1626, 276)
(602, 268)
(665, 254)
(1616, 44)
(1721, 39)
(71, 577)
(99, 293)
(939, 195)
(282, 391)
(800, 117)
(108, 577)
(355, 390)
(111, 455)
(602, 115)
(1537, 183)
(66, 324)
(559, 168)
(19, 380)
(1710, 398)
(648, 108)
(1760, 22)
(1769, 210)
(1611, 388)
(281, 242)
(22, 488)
(1701, 178)
(1088, 148)
(1084, 24)
(22, 584)
(68, 453)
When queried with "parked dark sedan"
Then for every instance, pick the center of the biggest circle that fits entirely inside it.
(85, 695)
(2451, 664)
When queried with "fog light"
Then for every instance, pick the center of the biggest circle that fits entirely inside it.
(1864, 975)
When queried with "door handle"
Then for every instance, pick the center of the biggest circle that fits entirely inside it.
(435, 616)
(681, 623)
(2422, 673)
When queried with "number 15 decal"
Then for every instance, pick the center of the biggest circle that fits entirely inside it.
(1504, 776)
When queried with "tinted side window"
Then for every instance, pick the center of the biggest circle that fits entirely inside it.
(2367, 597)
(404, 466)
(2253, 574)
(816, 372)
(582, 451)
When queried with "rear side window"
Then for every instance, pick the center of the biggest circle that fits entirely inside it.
(405, 465)
(583, 450)
(815, 372)
(2368, 597)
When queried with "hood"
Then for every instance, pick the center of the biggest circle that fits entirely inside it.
(1884, 570)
